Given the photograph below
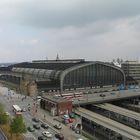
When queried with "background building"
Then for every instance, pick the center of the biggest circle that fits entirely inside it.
(132, 70)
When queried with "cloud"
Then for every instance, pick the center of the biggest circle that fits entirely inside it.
(90, 29)
(54, 13)
(29, 42)
(101, 40)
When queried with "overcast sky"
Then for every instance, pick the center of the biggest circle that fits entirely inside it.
(90, 29)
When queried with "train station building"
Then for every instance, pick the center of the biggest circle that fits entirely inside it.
(62, 75)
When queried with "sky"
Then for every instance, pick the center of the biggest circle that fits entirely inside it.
(94, 30)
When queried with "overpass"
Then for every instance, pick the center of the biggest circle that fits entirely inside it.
(108, 123)
(106, 97)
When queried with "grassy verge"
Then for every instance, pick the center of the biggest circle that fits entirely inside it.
(6, 130)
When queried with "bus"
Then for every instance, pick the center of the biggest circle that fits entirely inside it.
(17, 109)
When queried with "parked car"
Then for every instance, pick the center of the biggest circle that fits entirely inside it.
(58, 126)
(29, 108)
(59, 136)
(102, 95)
(72, 115)
(66, 121)
(36, 126)
(31, 129)
(77, 131)
(23, 110)
(47, 134)
(42, 138)
(66, 116)
(44, 125)
(72, 127)
(71, 120)
(35, 119)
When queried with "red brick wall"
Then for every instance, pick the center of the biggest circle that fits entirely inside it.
(64, 107)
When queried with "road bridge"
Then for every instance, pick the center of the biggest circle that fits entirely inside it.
(108, 123)
(106, 97)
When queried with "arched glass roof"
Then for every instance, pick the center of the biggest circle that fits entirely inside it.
(40, 73)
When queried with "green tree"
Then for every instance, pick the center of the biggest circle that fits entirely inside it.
(1, 109)
(17, 125)
(3, 117)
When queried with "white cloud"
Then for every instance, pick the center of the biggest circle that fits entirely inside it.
(29, 42)
(91, 29)
(102, 40)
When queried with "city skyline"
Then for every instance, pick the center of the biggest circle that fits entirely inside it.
(93, 30)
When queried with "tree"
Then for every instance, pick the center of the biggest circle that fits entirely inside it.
(1, 109)
(3, 117)
(17, 125)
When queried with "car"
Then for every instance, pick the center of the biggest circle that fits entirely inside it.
(66, 121)
(29, 108)
(59, 136)
(58, 126)
(66, 116)
(72, 115)
(44, 125)
(36, 126)
(38, 97)
(102, 95)
(23, 110)
(42, 138)
(77, 131)
(35, 119)
(71, 120)
(47, 134)
(72, 127)
(31, 129)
